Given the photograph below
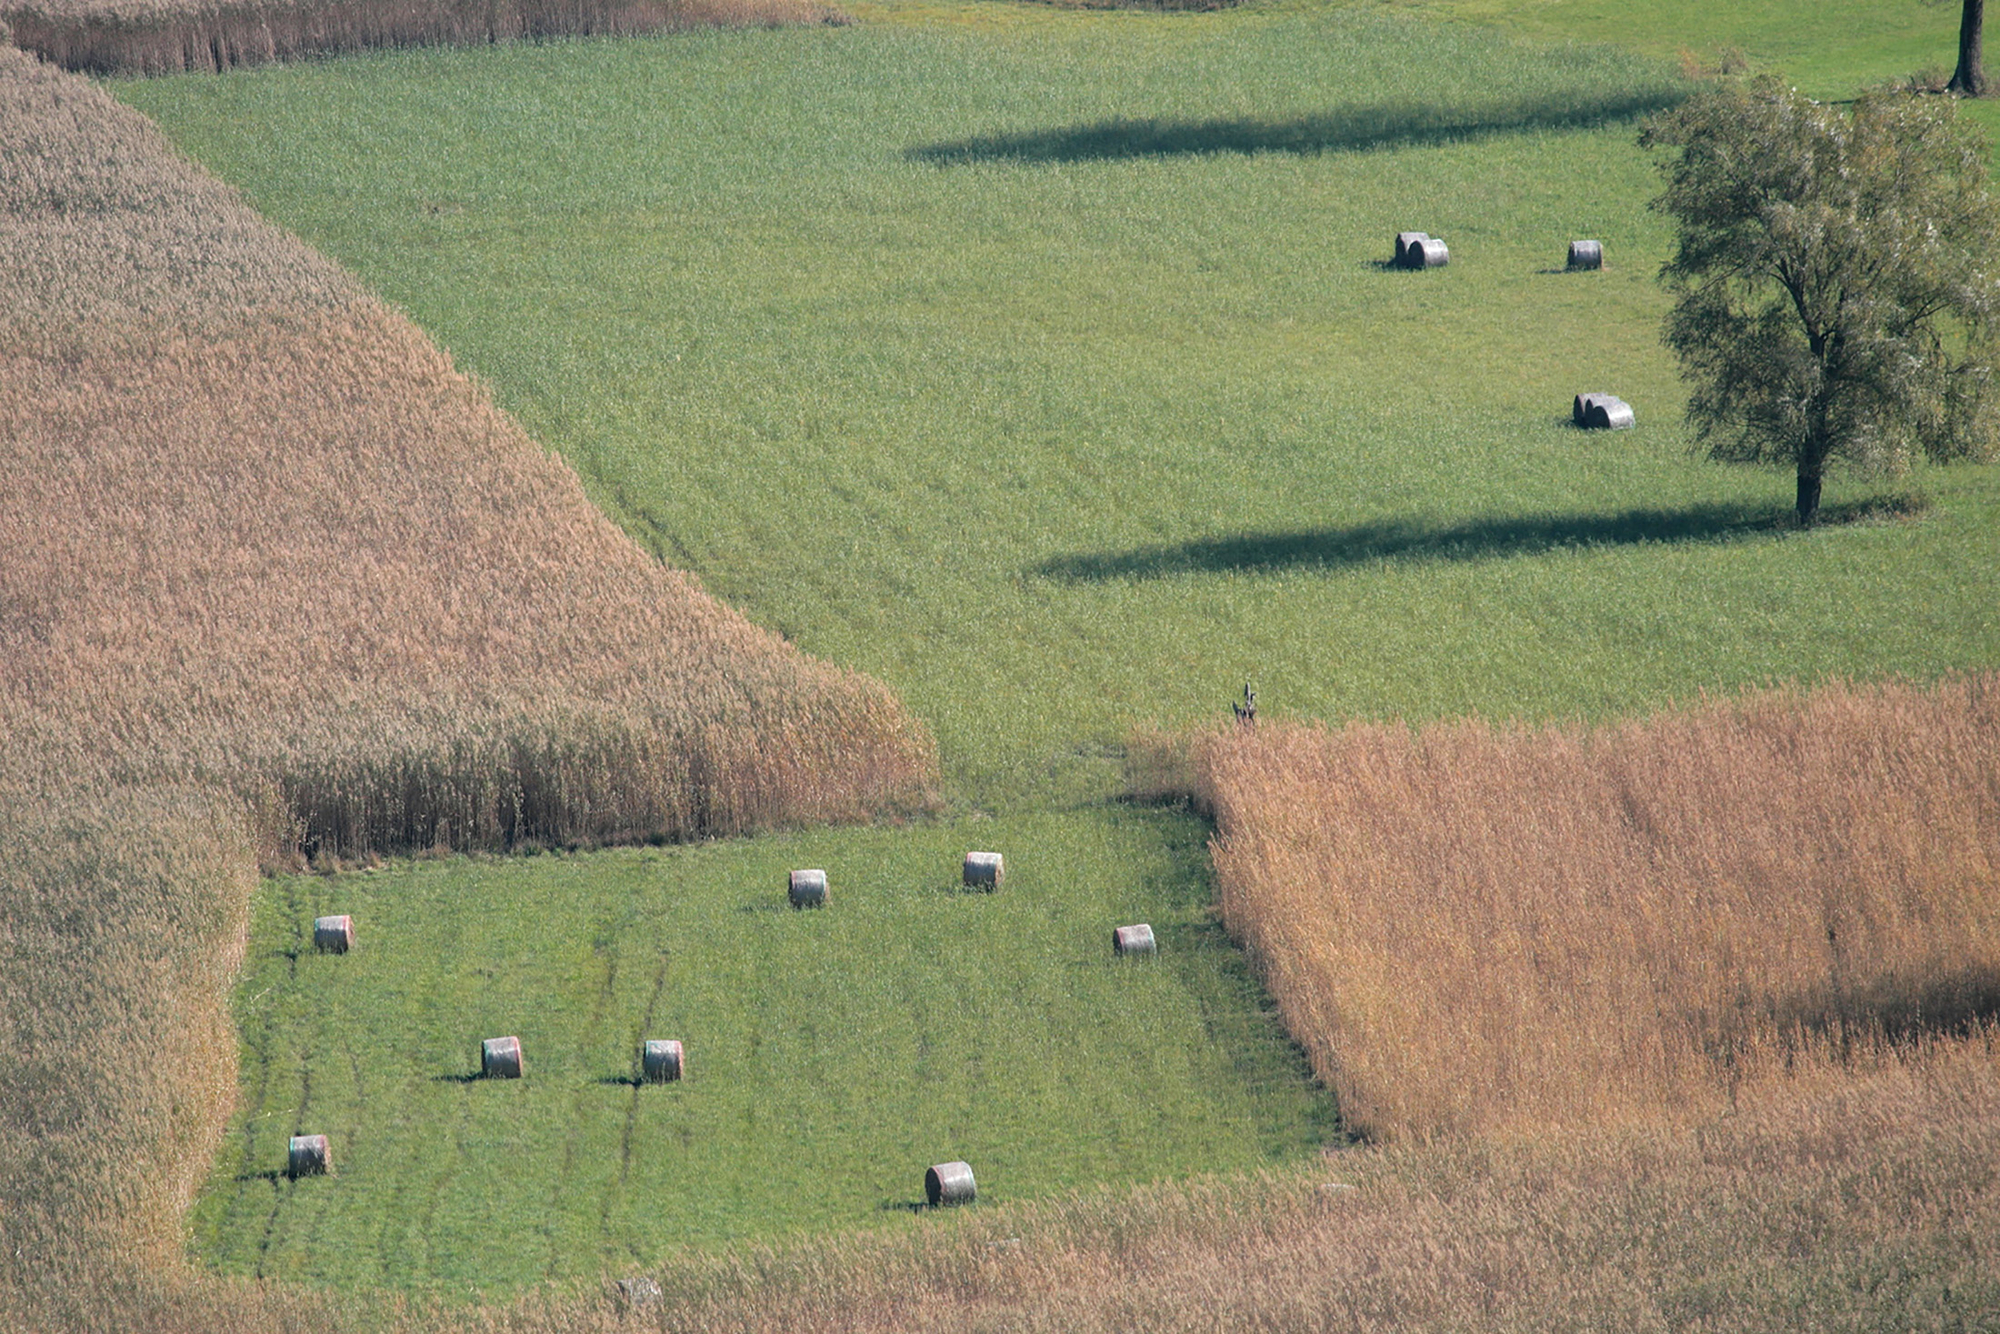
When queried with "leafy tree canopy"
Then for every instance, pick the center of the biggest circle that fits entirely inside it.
(1836, 280)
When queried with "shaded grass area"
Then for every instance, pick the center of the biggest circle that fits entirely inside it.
(832, 1055)
(900, 334)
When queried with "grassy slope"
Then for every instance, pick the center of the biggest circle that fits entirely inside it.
(1060, 445)
(832, 1055)
(1055, 446)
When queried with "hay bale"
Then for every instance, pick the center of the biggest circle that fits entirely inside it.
(633, 1294)
(333, 935)
(1586, 255)
(984, 870)
(1137, 939)
(309, 1156)
(500, 1058)
(1429, 253)
(1404, 242)
(808, 889)
(949, 1183)
(662, 1061)
(1579, 407)
(1605, 413)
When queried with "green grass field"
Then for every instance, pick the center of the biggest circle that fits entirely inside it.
(832, 1055)
(1044, 364)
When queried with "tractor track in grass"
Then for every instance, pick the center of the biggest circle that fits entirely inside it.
(606, 949)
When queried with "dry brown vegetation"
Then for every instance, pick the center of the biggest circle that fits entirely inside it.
(280, 582)
(1490, 931)
(174, 36)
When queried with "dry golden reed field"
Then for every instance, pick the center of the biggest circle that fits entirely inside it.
(1500, 932)
(1682, 1024)
(172, 36)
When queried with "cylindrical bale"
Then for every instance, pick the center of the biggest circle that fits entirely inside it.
(634, 1293)
(1429, 253)
(1586, 255)
(662, 1061)
(500, 1058)
(333, 935)
(1136, 939)
(808, 889)
(949, 1183)
(1405, 240)
(984, 870)
(309, 1157)
(1608, 414)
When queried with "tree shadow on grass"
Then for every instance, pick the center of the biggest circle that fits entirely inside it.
(1338, 129)
(1410, 540)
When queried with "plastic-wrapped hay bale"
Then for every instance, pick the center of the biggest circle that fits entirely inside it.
(1137, 939)
(984, 870)
(1429, 253)
(808, 889)
(662, 1061)
(633, 1294)
(1606, 413)
(949, 1183)
(333, 935)
(1586, 255)
(309, 1156)
(1405, 241)
(1579, 408)
(500, 1058)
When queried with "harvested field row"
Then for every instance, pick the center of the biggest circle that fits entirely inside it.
(1477, 930)
(178, 36)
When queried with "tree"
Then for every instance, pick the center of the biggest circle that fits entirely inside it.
(1836, 279)
(1970, 76)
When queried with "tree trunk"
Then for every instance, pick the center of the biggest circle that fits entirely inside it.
(1970, 77)
(1808, 493)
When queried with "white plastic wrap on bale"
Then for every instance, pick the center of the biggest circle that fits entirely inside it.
(1404, 241)
(333, 935)
(662, 1061)
(1586, 255)
(309, 1156)
(1606, 413)
(949, 1183)
(1429, 253)
(808, 889)
(632, 1294)
(984, 870)
(1136, 939)
(500, 1058)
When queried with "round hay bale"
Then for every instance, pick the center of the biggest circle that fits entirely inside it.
(309, 1156)
(333, 935)
(1133, 939)
(500, 1058)
(1586, 255)
(1579, 408)
(808, 889)
(662, 1061)
(1606, 413)
(632, 1294)
(1429, 253)
(1404, 242)
(949, 1183)
(984, 870)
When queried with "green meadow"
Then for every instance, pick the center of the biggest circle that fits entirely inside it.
(1045, 364)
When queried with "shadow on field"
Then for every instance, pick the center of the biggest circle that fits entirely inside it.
(1350, 128)
(1478, 539)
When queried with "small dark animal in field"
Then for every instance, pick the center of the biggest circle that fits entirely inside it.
(1246, 712)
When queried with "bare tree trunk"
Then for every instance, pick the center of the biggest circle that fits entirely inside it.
(1970, 77)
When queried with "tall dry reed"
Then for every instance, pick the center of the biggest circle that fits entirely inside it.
(177, 36)
(278, 581)
(1475, 929)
